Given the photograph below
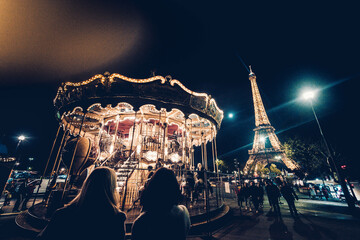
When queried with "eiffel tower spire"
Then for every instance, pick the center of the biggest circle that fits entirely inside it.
(266, 146)
(261, 117)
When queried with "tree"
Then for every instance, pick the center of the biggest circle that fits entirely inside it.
(309, 155)
(275, 170)
(265, 171)
(222, 165)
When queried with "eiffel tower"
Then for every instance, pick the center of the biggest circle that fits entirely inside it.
(267, 147)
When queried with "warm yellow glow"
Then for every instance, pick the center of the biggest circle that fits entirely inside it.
(174, 157)
(134, 80)
(138, 149)
(151, 155)
(98, 76)
(111, 148)
(172, 82)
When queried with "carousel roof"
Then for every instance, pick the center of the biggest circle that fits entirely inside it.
(162, 92)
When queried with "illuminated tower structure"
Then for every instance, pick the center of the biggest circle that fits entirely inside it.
(266, 146)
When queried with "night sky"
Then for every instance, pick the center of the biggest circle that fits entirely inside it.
(204, 44)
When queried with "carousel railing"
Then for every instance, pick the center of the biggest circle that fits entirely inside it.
(200, 199)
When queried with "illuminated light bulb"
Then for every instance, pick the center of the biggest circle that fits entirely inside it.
(21, 138)
(111, 148)
(309, 94)
(138, 149)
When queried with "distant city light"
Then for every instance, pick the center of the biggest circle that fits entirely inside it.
(231, 115)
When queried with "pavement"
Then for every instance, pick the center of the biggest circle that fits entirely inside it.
(318, 219)
(7, 210)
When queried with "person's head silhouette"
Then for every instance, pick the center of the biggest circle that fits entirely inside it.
(162, 192)
(99, 189)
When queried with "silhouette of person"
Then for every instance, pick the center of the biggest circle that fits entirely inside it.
(261, 194)
(9, 192)
(325, 192)
(273, 194)
(247, 196)
(20, 192)
(289, 194)
(92, 214)
(162, 217)
(29, 190)
(255, 195)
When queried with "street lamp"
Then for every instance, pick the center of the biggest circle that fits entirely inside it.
(309, 96)
(230, 115)
(21, 138)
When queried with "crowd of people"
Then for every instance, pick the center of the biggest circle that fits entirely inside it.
(316, 192)
(250, 196)
(20, 191)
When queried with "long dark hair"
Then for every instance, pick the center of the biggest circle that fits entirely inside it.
(162, 191)
(99, 189)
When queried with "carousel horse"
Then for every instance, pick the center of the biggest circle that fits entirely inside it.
(80, 155)
(199, 188)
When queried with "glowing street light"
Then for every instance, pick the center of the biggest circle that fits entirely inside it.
(21, 138)
(231, 115)
(309, 95)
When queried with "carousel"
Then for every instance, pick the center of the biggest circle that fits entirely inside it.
(131, 125)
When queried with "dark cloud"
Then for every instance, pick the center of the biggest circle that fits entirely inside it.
(58, 39)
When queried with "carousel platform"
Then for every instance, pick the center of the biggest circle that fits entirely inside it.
(36, 218)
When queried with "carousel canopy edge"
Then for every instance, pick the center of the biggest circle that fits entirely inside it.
(106, 88)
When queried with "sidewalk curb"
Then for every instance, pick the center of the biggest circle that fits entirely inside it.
(9, 214)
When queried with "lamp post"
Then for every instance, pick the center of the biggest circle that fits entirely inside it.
(309, 96)
(16, 164)
(20, 138)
